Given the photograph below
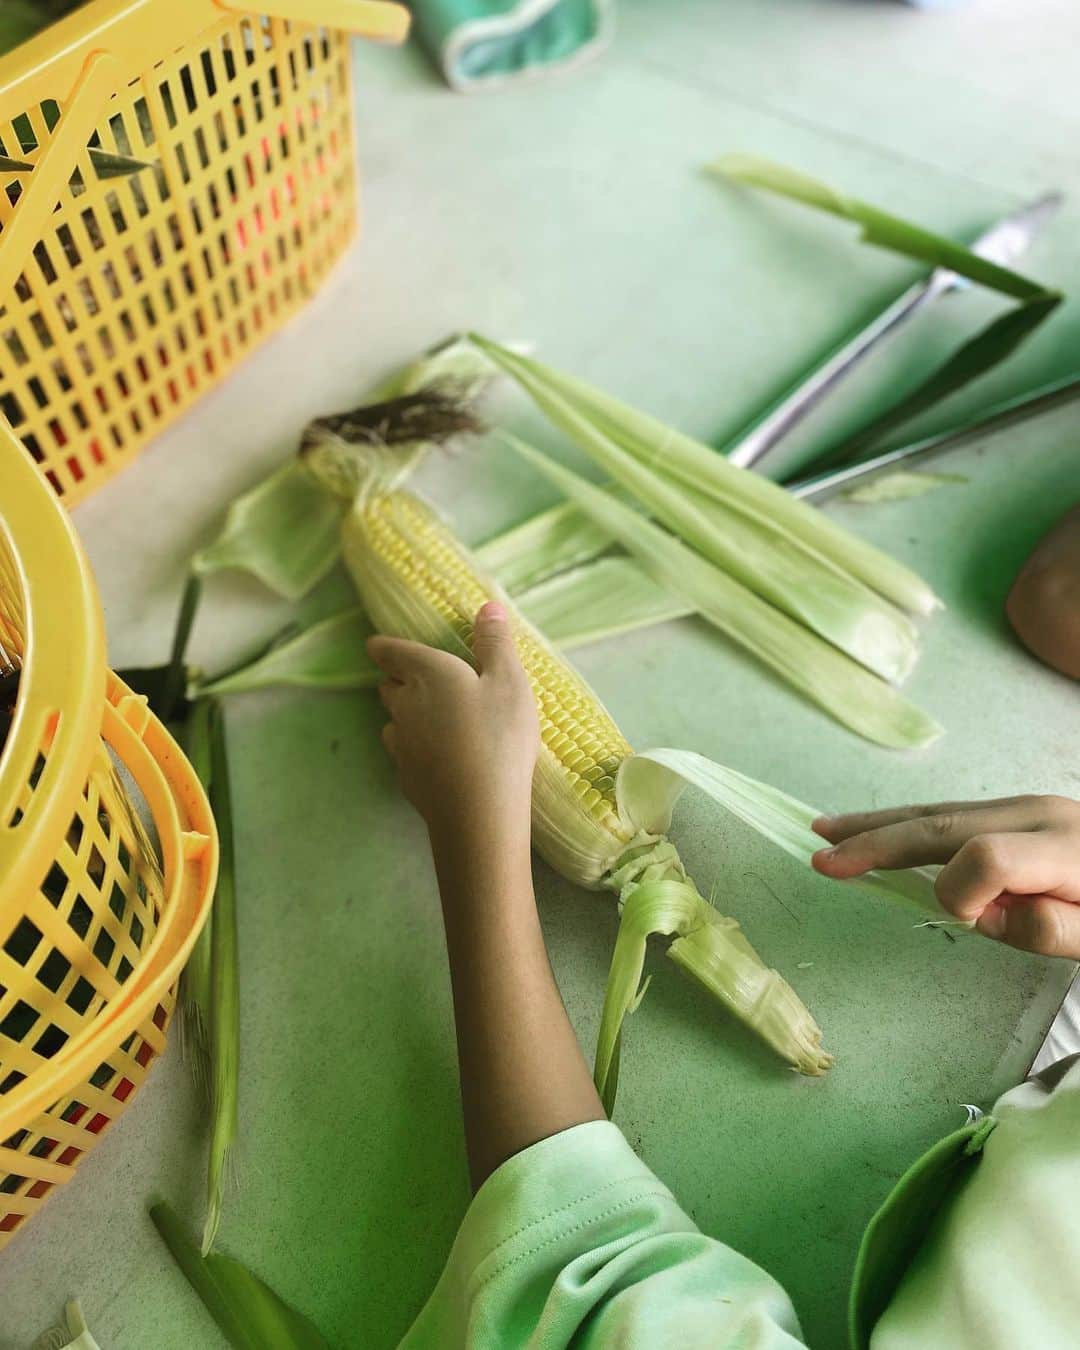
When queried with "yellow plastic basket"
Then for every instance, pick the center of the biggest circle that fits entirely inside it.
(125, 298)
(108, 858)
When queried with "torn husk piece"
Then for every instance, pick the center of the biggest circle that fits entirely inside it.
(71, 1334)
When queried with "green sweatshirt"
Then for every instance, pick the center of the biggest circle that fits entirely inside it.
(576, 1242)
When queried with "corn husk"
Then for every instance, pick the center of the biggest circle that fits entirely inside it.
(880, 228)
(247, 1311)
(711, 948)
(224, 990)
(837, 684)
(71, 1334)
(603, 599)
(329, 654)
(195, 995)
(772, 563)
(899, 486)
(682, 460)
(286, 530)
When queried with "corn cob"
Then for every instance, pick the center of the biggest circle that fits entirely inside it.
(417, 581)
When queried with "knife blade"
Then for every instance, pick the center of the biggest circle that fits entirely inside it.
(1006, 414)
(1002, 243)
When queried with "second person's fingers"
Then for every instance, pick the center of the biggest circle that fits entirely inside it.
(838, 828)
(1034, 924)
(922, 840)
(995, 865)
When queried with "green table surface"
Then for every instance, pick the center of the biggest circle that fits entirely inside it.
(572, 214)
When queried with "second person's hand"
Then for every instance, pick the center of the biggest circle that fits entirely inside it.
(1012, 865)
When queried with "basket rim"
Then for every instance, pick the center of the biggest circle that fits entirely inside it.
(139, 34)
(62, 683)
(189, 846)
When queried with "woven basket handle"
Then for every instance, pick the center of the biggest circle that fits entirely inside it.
(80, 113)
(376, 19)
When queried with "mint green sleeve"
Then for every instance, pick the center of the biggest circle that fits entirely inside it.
(997, 1266)
(575, 1240)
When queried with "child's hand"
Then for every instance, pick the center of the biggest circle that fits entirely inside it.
(465, 741)
(1011, 865)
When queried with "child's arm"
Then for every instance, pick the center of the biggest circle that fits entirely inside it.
(1011, 865)
(465, 743)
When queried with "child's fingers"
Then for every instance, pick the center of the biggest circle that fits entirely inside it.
(389, 739)
(838, 828)
(1039, 923)
(493, 641)
(924, 839)
(399, 658)
(992, 868)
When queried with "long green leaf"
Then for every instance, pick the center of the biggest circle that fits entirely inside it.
(686, 461)
(224, 987)
(780, 818)
(773, 563)
(839, 685)
(879, 227)
(248, 1312)
(195, 982)
(998, 341)
(330, 654)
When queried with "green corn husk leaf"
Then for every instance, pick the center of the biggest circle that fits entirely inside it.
(603, 599)
(687, 462)
(453, 364)
(195, 994)
(899, 486)
(224, 988)
(286, 531)
(330, 654)
(546, 544)
(998, 341)
(878, 227)
(651, 782)
(600, 600)
(541, 547)
(772, 563)
(824, 675)
(715, 952)
(71, 1334)
(247, 1311)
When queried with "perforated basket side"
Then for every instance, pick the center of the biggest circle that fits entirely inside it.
(51, 1119)
(139, 292)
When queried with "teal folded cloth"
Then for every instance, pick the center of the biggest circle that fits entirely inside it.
(480, 44)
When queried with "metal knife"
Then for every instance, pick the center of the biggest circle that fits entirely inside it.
(1002, 243)
(1005, 414)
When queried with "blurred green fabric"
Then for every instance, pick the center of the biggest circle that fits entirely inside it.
(480, 44)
